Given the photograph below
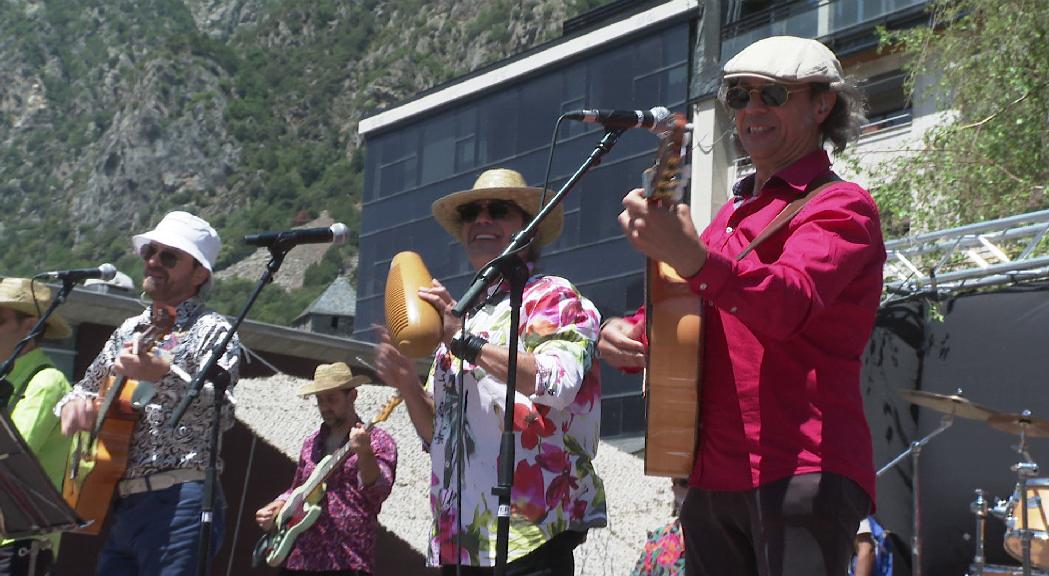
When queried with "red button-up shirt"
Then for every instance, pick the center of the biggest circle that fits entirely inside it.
(785, 329)
(343, 537)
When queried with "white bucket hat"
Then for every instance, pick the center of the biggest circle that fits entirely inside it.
(188, 233)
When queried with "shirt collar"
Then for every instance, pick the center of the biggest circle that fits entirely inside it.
(27, 363)
(797, 176)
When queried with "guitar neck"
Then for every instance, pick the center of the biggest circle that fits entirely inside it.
(326, 467)
(107, 402)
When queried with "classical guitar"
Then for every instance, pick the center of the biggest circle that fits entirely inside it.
(673, 326)
(305, 504)
(99, 456)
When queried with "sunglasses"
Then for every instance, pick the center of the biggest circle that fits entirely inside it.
(497, 210)
(775, 95)
(168, 259)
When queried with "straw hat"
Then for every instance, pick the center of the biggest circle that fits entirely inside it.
(17, 294)
(337, 376)
(499, 184)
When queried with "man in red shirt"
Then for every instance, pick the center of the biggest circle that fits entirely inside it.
(784, 471)
(341, 541)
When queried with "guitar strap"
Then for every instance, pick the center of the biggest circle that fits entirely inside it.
(817, 185)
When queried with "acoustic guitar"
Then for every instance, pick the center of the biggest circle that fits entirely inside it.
(674, 329)
(99, 456)
(305, 505)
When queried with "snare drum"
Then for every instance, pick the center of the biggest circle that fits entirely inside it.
(1037, 522)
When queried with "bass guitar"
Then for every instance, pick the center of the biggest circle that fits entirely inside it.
(99, 456)
(305, 505)
(673, 326)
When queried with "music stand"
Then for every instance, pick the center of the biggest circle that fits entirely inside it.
(30, 505)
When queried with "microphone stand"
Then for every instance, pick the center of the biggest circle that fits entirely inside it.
(6, 389)
(220, 378)
(509, 266)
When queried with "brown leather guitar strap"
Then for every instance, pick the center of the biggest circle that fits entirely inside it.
(817, 185)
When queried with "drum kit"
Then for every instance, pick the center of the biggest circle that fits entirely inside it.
(1025, 513)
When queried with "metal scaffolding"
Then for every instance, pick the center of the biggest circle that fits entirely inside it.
(1004, 251)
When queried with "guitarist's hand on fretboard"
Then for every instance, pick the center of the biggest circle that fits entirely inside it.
(663, 234)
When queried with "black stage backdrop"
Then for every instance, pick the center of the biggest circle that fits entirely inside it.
(994, 346)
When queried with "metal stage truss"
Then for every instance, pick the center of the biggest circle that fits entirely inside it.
(1004, 251)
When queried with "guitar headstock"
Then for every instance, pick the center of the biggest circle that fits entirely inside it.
(161, 322)
(386, 410)
(667, 178)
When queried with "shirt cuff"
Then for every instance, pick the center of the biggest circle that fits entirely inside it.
(713, 276)
(75, 393)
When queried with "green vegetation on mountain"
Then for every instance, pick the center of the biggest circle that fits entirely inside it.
(113, 112)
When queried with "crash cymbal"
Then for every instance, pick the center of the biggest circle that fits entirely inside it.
(949, 404)
(1015, 423)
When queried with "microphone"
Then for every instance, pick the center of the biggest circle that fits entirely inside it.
(337, 233)
(654, 120)
(105, 272)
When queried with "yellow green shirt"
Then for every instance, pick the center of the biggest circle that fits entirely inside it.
(34, 416)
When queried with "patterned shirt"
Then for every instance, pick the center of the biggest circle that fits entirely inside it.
(38, 387)
(155, 448)
(664, 552)
(555, 487)
(343, 537)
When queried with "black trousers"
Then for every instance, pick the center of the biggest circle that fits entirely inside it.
(554, 558)
(798, 526)
(14, 559)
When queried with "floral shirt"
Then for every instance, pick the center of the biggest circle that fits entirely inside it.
(555, 487)
(154, 448)
(343, 537)
(664, 552)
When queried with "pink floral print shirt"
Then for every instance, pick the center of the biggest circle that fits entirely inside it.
(555, 487)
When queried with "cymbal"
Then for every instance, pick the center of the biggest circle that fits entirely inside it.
(1015, 423)
(949, 404)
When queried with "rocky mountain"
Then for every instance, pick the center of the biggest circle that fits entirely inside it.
(113, 112)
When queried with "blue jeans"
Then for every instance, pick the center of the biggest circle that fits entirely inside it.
(155, 533)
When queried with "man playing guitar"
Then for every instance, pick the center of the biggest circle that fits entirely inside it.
(342, 538)
(157, 506)
(790, 273)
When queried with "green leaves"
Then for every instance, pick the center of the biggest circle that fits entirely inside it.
(987, 62)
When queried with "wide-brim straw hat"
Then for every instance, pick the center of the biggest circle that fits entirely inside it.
(337, 376)
(499, 184)
(17, 294)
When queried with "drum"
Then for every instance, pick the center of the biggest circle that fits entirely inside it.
(1037, 522)
(1000, 570)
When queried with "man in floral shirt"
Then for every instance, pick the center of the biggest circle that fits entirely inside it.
(556, 495)
(342, 539)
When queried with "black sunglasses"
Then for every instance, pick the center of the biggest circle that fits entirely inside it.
(168, 259)
(497, 209)
(775, 95)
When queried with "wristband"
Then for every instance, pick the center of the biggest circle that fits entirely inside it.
(467, 348)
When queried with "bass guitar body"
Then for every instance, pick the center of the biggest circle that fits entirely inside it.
(301, 511)
(674, 329)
